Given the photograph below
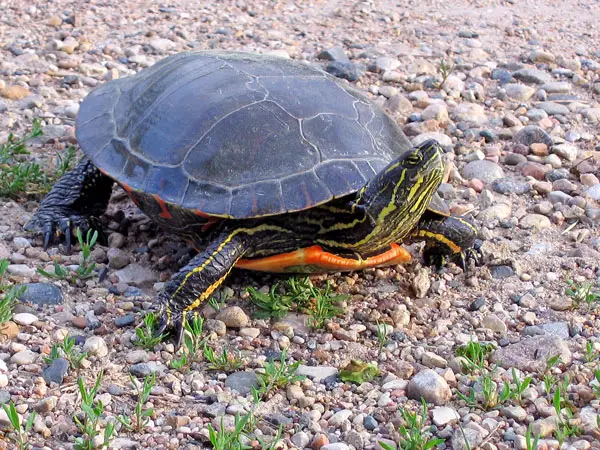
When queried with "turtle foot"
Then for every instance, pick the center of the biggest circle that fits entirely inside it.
(55, 223)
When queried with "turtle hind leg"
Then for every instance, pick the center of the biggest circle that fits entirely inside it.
(79, 196)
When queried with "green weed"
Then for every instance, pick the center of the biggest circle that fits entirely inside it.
(475, 356)
(582, 293)
(277, 375)
(565, 426)
(382, 336)
(531, 444)
(146, 333)
(19, 431)
(590, 353)
(225, 361)
(85, 270)
(193, 343)
(88, 422)
(141, 414)
(68, 350)
(19, 177)
(414, 434)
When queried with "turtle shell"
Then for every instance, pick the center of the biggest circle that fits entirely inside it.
(236, 135)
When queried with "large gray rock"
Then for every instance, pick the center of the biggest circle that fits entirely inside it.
(136, 275)
(531, 354)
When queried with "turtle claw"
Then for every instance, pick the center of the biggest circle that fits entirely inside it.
(433, 256)
(53, 223)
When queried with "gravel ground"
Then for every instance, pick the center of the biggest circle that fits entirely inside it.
(517, 110)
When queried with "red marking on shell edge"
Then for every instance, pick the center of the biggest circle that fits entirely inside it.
(130, 191)
(165, 214)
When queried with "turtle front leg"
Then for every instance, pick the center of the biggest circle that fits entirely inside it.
(82, 193)
(448, 239)
(189, 288)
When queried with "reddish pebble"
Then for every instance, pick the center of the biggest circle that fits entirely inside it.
(520, 149)
(539, 149)
(79, 322)
(535, 170)
(319, 441)
(476, 184)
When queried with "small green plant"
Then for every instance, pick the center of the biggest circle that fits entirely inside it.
(382, 336)
(146, 333)
(277, 375)
(141, 414)
(550, 381)
(520, 386)
(224, 439)
(490, 396)
(88, 422)
(298, 294)
(414, 434)
(582, 293)
(4, 263)
(85, 270)
(445, 69)
(565, 428)
(225, 361)
(8, 300)
(193, 343)
(68, 350)
(531, 444)
(19, 431)
(590, 353)
(19, 177)
(475, 356)
(215, 304)
(324, 308)
(596, 385)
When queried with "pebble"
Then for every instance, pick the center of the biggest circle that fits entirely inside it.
(80, 322)
(21, 270)
(233, 317)
(117, 258)
(532, 134)
(519, 92)
(317, 373)
(501, 272)
(125, 321)
(494, 323)
(24, 358)
(429, 385)
(42, 294)
(242, 382)
(535, 221)
(15, 92)
(137, 275)
(95, 346)
(566, 151)
(484, 170)
(531, 75)
(24, 318)
(345, 70)
(136, 356)
(444, 415)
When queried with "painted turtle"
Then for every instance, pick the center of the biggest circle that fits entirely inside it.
(262, 163)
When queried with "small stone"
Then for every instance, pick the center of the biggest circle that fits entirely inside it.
(42, 294)
(319, 441)
(140, 370)
(136, 275)
(233, 317)
(300, 439)
(336, 53)
(494, 323)
(24, 358)
(588, 179)
(484, 170)
(429, 385)
(433, 361)
(435, 111)
(335, 446)
(398, 104)
(444, 415)
(125, 321)
(534, 170)
(9, 329)
(54, 21)
(95, 346)
(117, 258)
(469, 112)
(251, 333)
(46, 405)
(535, 221)
(116, 240)
(15, 92)
(24, 318)
(501, 272)
(136, 356)
(593, 192)
(242, 382)
(531, 75)
(345, 70)
(539, 149)
(507, 186)
(465, 439)
(560, 329)
(340, 417)
(79, 322)
(421, 283)
(161, 45)
(56, 371)
(532, 134)
(317, 373)
(519, 92)
(370, 423)
(566, 151)
(21, 270)
(553, 108)
(477, 304)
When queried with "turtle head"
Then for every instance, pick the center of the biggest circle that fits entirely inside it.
(397, 196)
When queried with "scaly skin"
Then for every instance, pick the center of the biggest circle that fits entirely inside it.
(79, 196)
